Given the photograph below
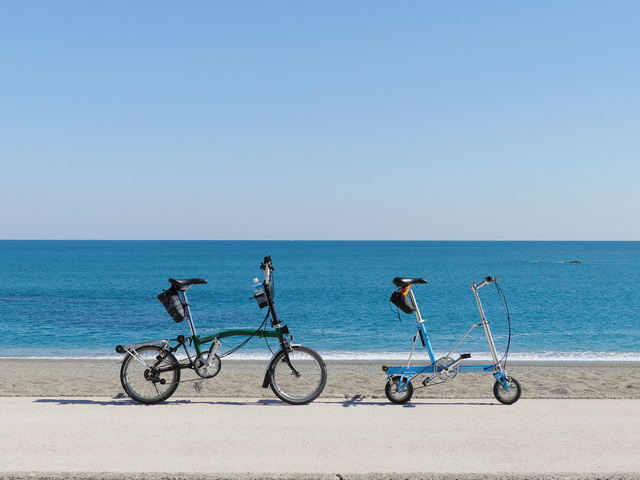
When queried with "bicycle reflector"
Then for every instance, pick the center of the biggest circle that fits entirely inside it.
(401, 300)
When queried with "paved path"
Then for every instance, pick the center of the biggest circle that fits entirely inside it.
(328, 437)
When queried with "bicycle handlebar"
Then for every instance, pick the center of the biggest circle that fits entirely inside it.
(267, 266)
(486, 281)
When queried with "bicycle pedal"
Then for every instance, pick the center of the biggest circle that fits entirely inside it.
(465, 355)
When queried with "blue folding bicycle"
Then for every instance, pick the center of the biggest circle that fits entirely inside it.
(399, 387)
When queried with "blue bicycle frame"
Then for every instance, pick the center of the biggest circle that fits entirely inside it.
(446, 367)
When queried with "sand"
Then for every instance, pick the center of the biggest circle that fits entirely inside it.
(70, 419)
(243, 379)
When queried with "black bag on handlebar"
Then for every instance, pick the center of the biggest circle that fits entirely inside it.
(171, 301)
(401, 300)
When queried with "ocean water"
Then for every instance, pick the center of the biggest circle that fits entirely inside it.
(79, 299)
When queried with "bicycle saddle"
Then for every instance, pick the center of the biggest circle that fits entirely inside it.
(186, 283)
(404, 282)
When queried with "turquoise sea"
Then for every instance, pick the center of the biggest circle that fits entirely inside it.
(80, 299)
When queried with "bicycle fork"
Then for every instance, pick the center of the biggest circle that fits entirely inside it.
(285, 346)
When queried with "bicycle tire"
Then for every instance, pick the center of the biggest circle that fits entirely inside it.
(399, 398)
(301, 388)
(140, 381)
(507, 397)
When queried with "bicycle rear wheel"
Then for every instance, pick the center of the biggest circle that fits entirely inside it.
(150, 377)
(392, 393)
(301, 381)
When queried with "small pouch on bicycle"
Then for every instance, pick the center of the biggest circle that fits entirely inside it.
(171, 301)
(400, 299)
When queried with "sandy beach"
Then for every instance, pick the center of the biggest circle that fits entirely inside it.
(70, 419)
(364, 379)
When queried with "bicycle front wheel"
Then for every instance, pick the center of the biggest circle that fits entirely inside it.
(505, 396)
(300, 380)
(150, 377)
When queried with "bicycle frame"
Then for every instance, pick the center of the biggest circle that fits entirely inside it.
(280, 332)
(437, 369)
(150, 372)
(215, 338)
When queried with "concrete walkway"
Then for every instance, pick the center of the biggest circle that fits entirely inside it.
(262, 438)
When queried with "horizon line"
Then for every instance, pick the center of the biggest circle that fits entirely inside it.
(295, 240)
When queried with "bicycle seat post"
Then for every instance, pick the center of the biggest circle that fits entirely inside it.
(415, 305)
(185, 302)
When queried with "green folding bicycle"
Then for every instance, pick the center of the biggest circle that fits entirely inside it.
(150, 372)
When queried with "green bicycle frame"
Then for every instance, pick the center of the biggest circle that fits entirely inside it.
(198, 341)
(280, 332)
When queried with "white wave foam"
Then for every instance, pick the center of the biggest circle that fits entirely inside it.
(546, 356)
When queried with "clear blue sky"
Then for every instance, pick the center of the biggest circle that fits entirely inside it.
(408, 120)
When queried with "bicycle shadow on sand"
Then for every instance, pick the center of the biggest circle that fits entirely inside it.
(356, 401)
(360, 400)
(124, 401)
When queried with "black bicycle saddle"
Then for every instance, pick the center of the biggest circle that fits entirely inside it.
(186, 283)
(404, 282)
